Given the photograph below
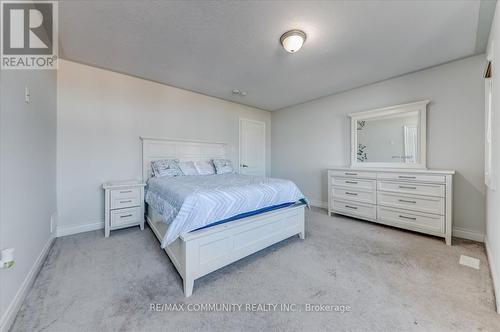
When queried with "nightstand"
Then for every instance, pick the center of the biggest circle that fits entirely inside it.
(123, 204)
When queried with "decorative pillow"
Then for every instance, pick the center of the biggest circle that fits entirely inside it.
(166, 167)
(204, 167)
(223, 166)
(188, 168)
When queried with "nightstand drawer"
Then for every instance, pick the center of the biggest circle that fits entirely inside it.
(126, 216)
(123, 198)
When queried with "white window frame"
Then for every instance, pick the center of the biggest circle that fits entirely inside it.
(488, 137)
(488, 87)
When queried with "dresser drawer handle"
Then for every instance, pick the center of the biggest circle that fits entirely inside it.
(405, 217)
(126, 216)
(407, 187)
(406, 201)
(351, 174)
(125, 191)
(407, 177)
(129, 201)
(351, 182)
(351, 207)
(352, 194)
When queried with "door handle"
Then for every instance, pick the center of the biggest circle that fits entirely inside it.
(244, 166)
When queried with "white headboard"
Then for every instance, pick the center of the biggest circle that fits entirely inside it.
(184, 150)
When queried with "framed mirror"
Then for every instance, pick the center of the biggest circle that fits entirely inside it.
(390, 137)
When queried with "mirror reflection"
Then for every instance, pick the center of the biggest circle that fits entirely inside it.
(389, 139)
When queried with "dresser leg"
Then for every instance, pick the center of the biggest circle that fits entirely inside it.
(142, 226)
(106, 232)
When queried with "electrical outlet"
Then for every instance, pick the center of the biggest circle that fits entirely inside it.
(7, 258)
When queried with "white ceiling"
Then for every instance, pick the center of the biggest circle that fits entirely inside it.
(214, 47)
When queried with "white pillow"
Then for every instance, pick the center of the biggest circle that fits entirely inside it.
(188, 168)
(204, 167)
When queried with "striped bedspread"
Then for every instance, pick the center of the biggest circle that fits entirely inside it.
(188, 203)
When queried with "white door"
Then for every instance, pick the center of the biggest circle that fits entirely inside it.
(252, 147)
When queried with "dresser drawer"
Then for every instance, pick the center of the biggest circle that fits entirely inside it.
(412, 177)
(429, 204)
(355, 209)
(354, 174)
(412, 188)
(123, 198)
(125, 216)
(354, 195)
(412, 220)
(361, 184)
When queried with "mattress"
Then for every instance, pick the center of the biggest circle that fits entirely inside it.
(188, 203)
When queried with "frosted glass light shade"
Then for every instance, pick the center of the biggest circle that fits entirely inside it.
(293, 40)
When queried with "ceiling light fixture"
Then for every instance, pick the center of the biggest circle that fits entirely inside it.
(293, 40)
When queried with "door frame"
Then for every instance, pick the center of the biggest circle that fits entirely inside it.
(241, 120)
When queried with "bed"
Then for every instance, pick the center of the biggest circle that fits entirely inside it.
(262, 212)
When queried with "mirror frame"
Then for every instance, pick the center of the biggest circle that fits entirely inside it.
(420, 107)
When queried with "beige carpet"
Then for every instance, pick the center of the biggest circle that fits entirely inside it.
(392, 280)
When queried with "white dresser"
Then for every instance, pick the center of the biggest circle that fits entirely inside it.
(417, 200)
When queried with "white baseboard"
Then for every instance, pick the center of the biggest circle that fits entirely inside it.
(494, 274)
(63, 230)
(11, 312)
(319, 204)
(464, 233)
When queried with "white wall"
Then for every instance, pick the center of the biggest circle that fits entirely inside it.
(493, 196)
(308, 138)
(101, 115)
(27, 177)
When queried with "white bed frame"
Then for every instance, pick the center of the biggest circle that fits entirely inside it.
(201, 252)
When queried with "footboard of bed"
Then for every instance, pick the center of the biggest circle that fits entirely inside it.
(202, 252)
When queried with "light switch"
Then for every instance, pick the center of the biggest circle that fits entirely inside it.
(27, 97)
